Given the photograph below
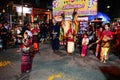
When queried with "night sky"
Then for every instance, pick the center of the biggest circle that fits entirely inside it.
(102, 5)
(114, 9)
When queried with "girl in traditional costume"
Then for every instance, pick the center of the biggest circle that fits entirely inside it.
(26, 60)
(85, 42)
(105, 45)
(35, 32)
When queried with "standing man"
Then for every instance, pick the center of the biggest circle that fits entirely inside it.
(54, 33)
(3, 35)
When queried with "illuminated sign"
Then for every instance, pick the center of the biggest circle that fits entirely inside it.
(25, 10)
(82, 18)
(84, 7)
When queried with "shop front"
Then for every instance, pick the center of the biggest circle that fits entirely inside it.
(41, 15)
(30, 14)
(20, 13)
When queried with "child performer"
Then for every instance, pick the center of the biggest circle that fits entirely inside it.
(85, 42)
(26, 61)
(35, 31)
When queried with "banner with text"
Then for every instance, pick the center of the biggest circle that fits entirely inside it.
(84, 7)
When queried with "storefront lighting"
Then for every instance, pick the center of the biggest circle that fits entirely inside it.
(25, 10)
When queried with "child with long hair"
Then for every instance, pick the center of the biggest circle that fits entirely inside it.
(26, 60)
(85, 42)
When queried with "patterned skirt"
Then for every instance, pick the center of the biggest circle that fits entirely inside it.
(84, 50)
(26, 63)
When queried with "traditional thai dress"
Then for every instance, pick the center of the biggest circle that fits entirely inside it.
(85, 42)
(98, 46)
(35, 40)
(70, 41)
(105, 45)
(26, 60)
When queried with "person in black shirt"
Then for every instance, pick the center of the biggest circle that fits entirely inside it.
(3, 35)
(54, 34)
(24, 28)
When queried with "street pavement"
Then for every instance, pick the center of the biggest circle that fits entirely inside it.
(59, 66)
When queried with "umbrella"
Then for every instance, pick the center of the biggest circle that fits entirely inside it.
(102, 15)
(29, 33)
(105, 22)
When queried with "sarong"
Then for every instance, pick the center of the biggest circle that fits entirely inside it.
(84, 50)
(26, 63)
(70, 47)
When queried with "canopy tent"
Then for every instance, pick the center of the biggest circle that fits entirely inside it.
(100, 15)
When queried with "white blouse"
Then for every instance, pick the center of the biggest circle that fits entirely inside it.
(85, 41)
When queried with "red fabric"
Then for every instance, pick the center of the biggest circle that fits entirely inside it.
(106, 33)
(22, 46)
(84, 50)
(26, 66)
(70, 31)
(35, 30)
(99, 33)
(26, 60)
(26, 63)
(118, 37)
(35, 46)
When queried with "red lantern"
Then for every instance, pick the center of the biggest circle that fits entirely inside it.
(35, 46)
